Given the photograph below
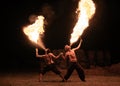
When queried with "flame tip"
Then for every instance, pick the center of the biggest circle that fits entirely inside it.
(86, 9)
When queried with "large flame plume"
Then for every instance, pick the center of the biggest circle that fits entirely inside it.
(35, 31)
(86, 10)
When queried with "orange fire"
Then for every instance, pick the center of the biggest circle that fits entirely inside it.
(35, 31)
(86, 10)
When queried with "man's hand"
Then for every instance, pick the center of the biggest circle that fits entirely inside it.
(46, 49)
(36, 49)
(61, 53)
(81, 40)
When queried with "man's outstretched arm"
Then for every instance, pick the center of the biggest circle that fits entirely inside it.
(78, 45)
(37, 55)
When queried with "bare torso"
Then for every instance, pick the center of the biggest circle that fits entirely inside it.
(49, 58)
(71, 55)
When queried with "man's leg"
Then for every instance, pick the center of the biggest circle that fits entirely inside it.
(43, 71)
(40, 77)
(80, 72)
(57, 71)
(69, 71)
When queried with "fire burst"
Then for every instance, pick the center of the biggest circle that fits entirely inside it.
(86, 10)
(35, 31)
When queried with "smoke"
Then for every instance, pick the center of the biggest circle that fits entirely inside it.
(48, 13)
(32, 18)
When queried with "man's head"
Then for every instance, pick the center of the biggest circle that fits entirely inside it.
(67, 47)
(48, 50)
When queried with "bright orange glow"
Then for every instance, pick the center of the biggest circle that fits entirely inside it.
(86, 10)
(35, 31)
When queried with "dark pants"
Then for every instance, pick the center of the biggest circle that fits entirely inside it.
(75, 66)
(50, 67)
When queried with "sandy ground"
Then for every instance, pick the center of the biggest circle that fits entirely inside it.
(94, 77)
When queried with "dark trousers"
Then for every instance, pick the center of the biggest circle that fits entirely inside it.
(75, 66)
(51, 67)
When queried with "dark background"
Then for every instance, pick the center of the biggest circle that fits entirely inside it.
(17, 51)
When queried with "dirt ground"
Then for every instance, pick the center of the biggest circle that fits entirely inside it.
(94, 77)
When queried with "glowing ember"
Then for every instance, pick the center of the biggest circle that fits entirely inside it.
(35, 31)
(86, 10)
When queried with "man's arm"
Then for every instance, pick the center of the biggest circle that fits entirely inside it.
(37, 55)
(54, 56)
(61, 54)
(78, 45)
(51, 54)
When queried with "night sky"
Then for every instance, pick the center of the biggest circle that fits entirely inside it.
(17, 49)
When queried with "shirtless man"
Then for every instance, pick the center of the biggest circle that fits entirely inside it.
(48, 56)
(73, 63)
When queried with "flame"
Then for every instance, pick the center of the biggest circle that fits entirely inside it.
(35, 31)
(86, 10)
